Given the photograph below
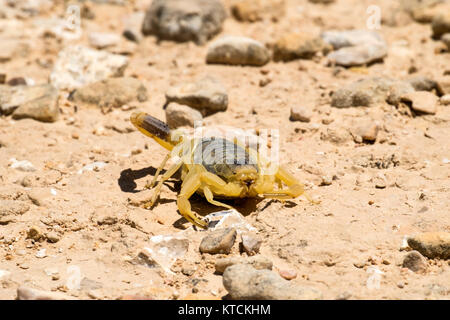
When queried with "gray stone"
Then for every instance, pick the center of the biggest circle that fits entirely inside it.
(358, 55)
(364, 92)
(178, 115)
(243, 282)
(351, 38)
(258, 262)
(184, 20)
(207, 95)
(235, 50)
(422, 102)
(42, 107)
(218, 241)
(355, 47)
(441, 24)
(415, 262)
(102, 40)
(251, 243)
(431, 244)
(77, 66)
(114, 92)
(421, 83)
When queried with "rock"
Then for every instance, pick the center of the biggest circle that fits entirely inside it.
(9, 209)
(243, 282)
(23, 165)
(250, 243)
(445, 100)
(399, 88)
(336, 135)
(77, 66)
(102, 40)
(355, 47)
(443, 85)
(367, 131)
(300, 114)
(39, 196)
(163, 251)
(35, 233)
(298, 46)
(2, 78)
(431, 244)
(184, 20)
(228, 218)
(364, 92)
(207, 95)
(13, 97)
(256, 10)
(358, 55)
(18, 81)
(258, 262)
(42, 253)
(422, 102)
(43, 108)
(446, 40)
(421, 83)
(351, 38)
(218, 241)
(321, 1)
(288, 274)
(178, 115)
(133, 24)
(112, 93)
(235, 50)
(425, 11)
(415, 261)
(52, 237)
(26, 293)
(441, 24)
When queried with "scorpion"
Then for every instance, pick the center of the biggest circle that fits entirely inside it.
(215, 168)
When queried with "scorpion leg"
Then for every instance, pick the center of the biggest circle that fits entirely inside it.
(192, 183)
(210, 198)
(150, 185)
(294, 190)
(172, 170)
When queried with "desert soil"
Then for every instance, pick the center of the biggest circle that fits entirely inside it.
(374, 194)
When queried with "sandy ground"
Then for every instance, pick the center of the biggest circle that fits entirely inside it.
(332, 246)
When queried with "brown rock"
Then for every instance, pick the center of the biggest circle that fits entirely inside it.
(288, 274)
(34, 233)
(300, 114)
(299, 46)
(9, 209)
(441, 24)
(422, 102)
(207, 95)
(432, 244)
(256, 10)
(243, 282)
(218, 241)
(178, 115)
(44, 108)
(258, 262)
(443, 85)
(113, 92)
(415, 261)
(234, 50)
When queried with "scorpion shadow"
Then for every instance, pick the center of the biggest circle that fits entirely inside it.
(128, 177)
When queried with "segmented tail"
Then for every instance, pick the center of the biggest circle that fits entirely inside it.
(153, 128)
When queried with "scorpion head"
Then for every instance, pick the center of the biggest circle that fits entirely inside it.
(245, 174)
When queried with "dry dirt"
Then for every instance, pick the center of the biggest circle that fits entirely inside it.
(332, 246)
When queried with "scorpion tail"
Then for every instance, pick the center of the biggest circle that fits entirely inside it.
(152, 127)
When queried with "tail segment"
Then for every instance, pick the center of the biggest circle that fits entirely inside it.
(153, 128)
